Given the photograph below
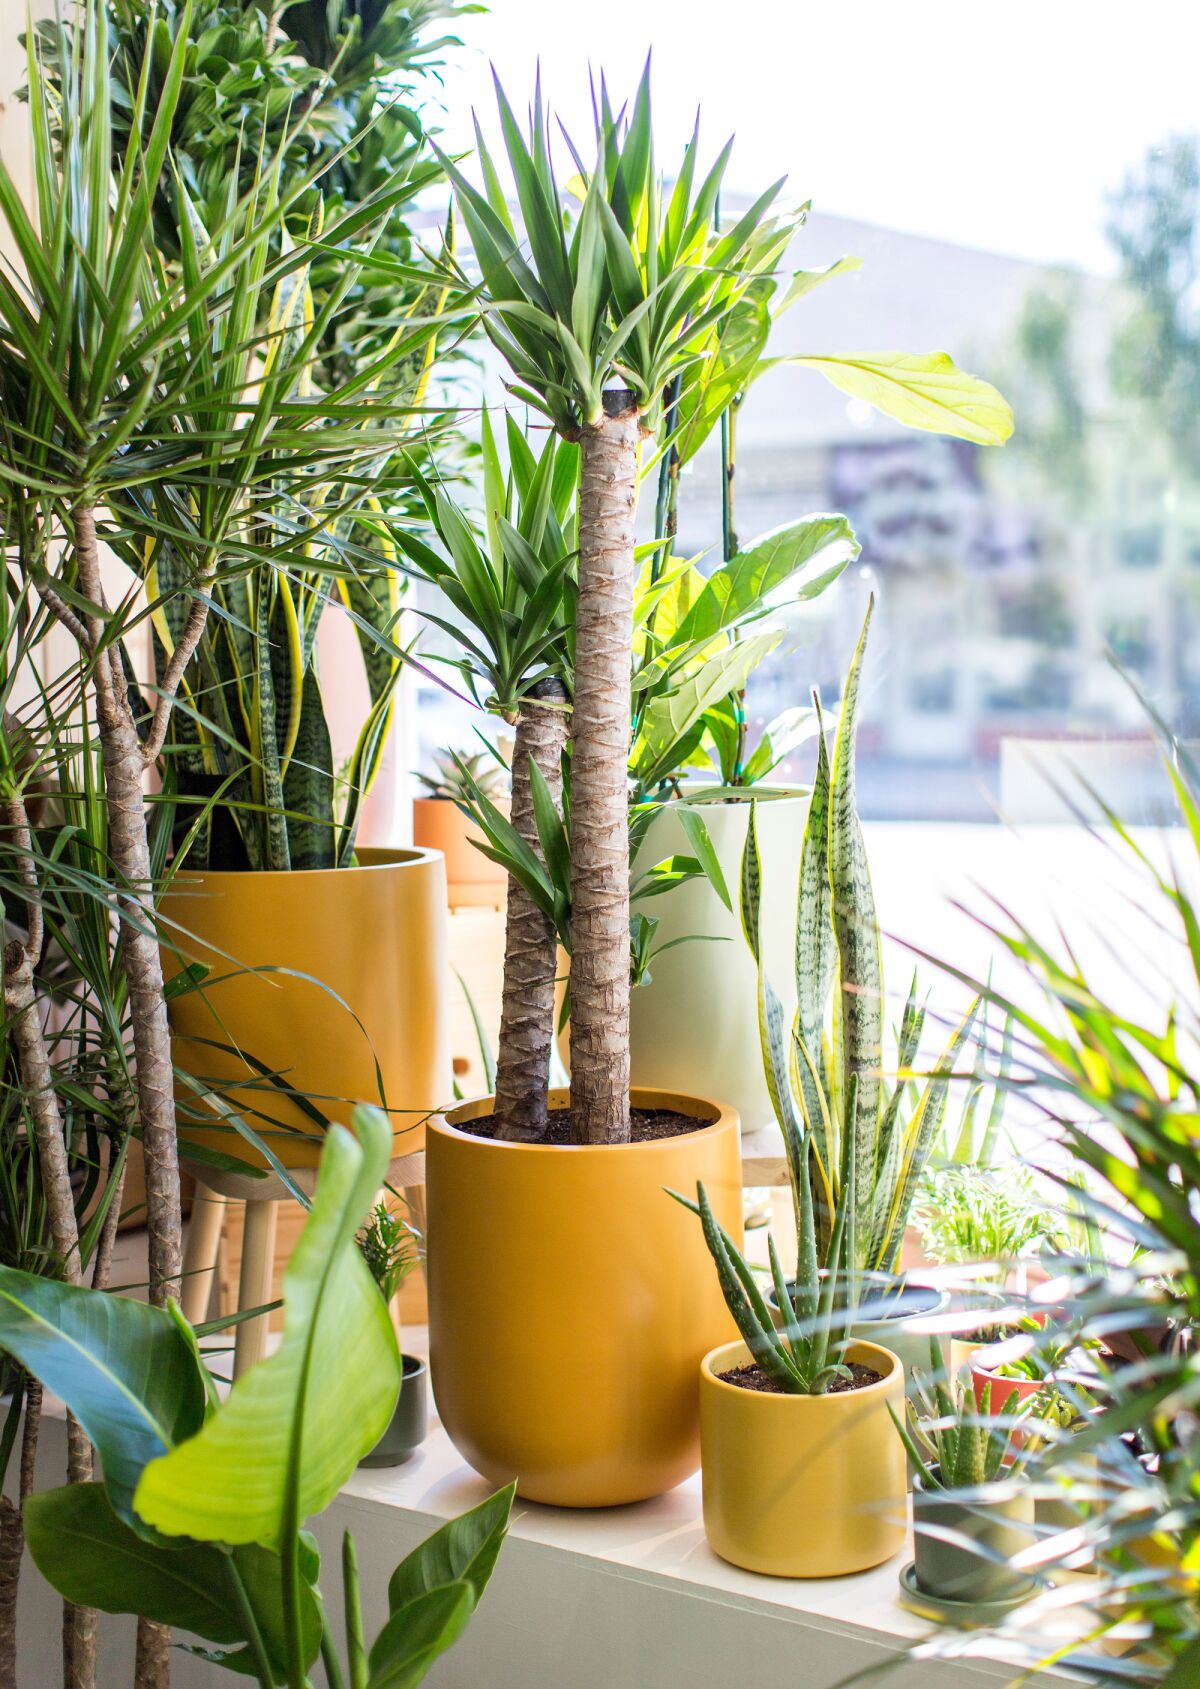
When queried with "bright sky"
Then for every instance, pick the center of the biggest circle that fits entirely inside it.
(1000, 125)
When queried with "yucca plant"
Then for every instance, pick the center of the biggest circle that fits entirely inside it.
(826, 1081)
(953, 1443)
(594, 323)
(512, 592)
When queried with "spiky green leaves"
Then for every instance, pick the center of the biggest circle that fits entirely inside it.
(629, 294)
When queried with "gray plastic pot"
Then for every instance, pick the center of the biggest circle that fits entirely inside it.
(952, 1571)
(410, 1421)
(888, 1310)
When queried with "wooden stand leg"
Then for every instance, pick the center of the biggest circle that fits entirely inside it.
(200, 1255)
(254, 1286)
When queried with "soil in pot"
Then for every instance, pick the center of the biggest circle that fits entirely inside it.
(754, 1378)
(646, 1125)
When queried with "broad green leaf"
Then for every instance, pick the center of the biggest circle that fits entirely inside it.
(803, 281)
(90, 1557)
(814, 548)
(294, 1427)
(124, 1369)
(779, 738)
(463, 1549)
(669, 717)
(417, 1633)
(921, 390)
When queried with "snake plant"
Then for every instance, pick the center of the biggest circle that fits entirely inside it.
(826, 1081)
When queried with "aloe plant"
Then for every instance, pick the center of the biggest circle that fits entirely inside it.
(199, 1520)
(826, 1081)
(450, 783)
(953, 1442)
(805, 1355)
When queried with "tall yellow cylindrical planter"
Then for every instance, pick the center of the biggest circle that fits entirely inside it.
(803, 1486)
(351, 972)
(571, 1300)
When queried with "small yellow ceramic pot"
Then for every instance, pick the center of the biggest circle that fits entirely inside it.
(571, 1300)
(315, 975)
(803, 1486)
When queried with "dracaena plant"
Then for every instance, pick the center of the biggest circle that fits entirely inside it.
(199, 1520)
(512, 590)
(953, 1442)
(595, 321)
(825, 1074)
(805, 1354)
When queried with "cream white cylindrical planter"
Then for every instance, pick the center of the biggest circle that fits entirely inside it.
(803, 1486)
(571, 1301)
(695, 1024)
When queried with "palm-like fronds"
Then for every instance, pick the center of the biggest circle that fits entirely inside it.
(632, 290)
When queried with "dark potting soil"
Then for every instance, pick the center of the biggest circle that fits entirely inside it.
(646, 1125)
(754, 1378)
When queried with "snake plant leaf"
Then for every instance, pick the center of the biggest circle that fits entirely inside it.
(417, 1633)
(909, 1151)
(860, 983)
(804, 556)
(921, 390)
(464, 1549)
(123, 1368)
(91, 1557)
(307, 791)
(294, 1427)
(816, 948)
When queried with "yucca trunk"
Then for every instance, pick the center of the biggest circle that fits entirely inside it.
(37, 1081)
(12, 1532)
(129, 846)
(599, 782)
(530, 942)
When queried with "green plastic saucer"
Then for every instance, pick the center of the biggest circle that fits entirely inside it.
(945, 1610)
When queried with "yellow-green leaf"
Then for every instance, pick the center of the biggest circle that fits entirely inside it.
(920, 389)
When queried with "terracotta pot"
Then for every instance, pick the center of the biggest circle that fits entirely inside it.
(571, 1301)
(471, 877)
(352, 972)
(803, 1486)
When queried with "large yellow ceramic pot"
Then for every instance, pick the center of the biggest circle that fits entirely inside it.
(803, 1486)
(352, 973)
(571, 1300)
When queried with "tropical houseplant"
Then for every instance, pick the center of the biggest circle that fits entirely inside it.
(803, 1472)
(594, 323)
(970, 1516)
(826, 1069)
(390, 1248)
(199, 1520)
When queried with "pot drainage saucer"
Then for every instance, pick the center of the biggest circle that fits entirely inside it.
(943, 1609)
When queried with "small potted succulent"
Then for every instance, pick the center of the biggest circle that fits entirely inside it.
(803, 1472)
(390, 1248)
(441, 822)
(970, 1517)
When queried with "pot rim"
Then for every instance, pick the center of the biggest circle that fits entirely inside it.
(412, 1366)
(408, 856)
(662, 1098)
(882, 1386)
